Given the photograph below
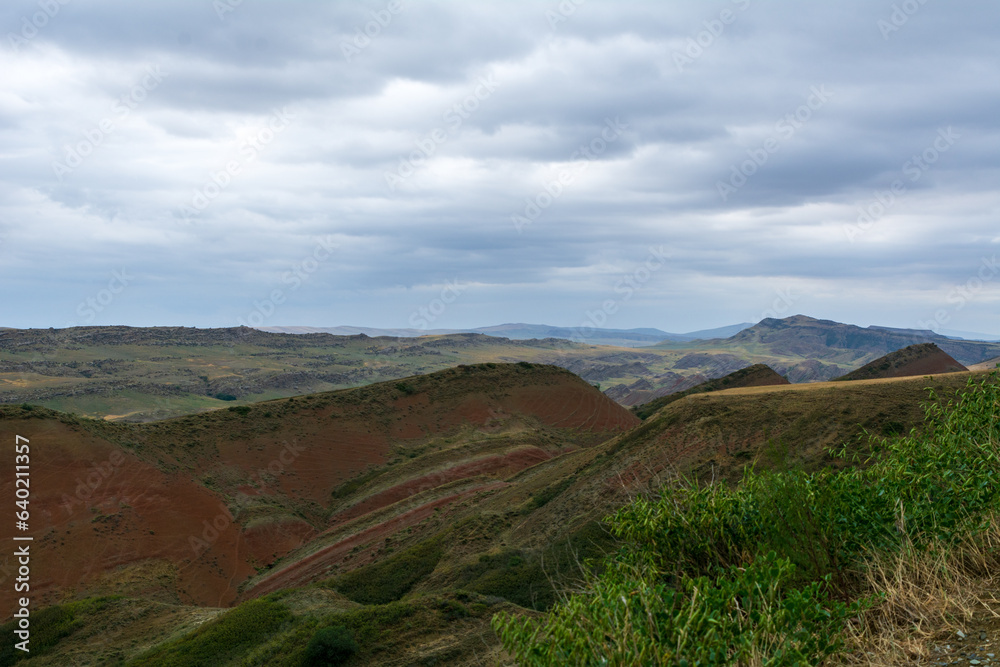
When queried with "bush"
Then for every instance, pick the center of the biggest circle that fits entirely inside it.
(232, 634)
(330, 646)
(758, 573)
(392, 578)
(48, 627)
(631, 618)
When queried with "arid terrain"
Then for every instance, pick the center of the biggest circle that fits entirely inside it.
(410, 510)
(144, 374)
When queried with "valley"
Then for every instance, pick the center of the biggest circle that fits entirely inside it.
(145, 374)
(430, 503)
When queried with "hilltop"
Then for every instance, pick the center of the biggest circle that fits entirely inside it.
(920, 359)
(839, 343)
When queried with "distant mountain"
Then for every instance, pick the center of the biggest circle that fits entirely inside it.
(720, 332)
(643, 337)
(593, 336)
(920, 359)
(846, 343)
(367, 331)
(969, 335)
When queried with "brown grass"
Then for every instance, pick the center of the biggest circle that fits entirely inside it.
(928, 596)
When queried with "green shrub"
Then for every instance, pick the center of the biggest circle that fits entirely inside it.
(757, 573)
(230, 635)
(48, 627)
(331, 646)
(743, 616)
(542, 498)
(241, 409)
(391, 578)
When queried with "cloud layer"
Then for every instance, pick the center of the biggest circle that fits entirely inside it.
(304, 163)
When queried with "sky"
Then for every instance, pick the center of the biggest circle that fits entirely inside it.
(677, 165)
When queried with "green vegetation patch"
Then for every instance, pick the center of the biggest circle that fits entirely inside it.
(392, 578)
(350, 486)
(376, 632)
(768, 571)
(543, 497)
(332, 645)
(529, 579)
(48, 627)
(229, 636)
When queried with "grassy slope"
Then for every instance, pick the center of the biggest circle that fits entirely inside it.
(912, 532)
(751, 376)
(506, 544)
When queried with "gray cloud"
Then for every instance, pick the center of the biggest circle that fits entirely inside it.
(410, 149)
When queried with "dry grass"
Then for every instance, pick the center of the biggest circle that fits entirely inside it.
(928, 596)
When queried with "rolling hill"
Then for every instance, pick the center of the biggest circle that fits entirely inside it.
(188, 507)
(845, 343)
(920, 359)
(408, 511)
(143, 374)
(758, 375)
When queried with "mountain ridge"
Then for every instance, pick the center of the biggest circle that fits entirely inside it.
(639, 337)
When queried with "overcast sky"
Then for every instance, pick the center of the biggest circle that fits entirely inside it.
(677, 165)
